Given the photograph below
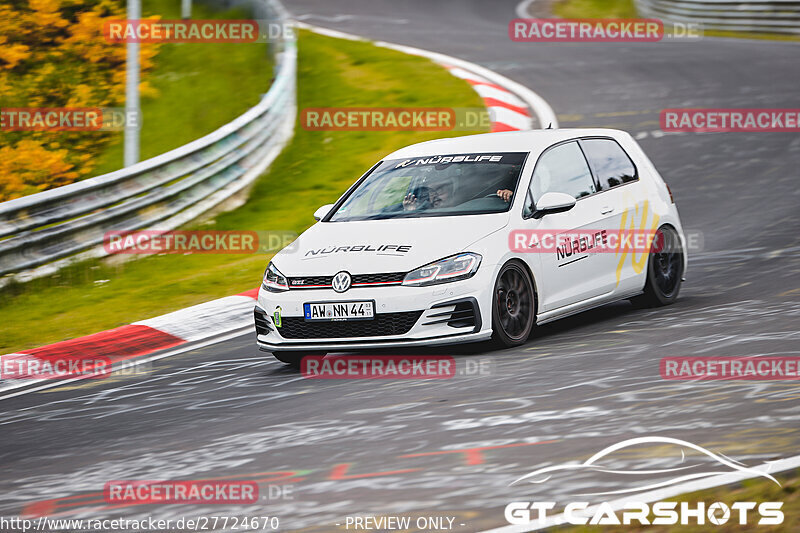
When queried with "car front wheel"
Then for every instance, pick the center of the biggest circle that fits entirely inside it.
(513, 306)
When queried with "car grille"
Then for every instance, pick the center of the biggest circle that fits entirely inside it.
(391, 277)
(382, 325)
(311, 282)
(359, 280)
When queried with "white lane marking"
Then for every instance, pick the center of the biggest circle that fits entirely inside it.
(465, 74)
(522, 9)
(344, 17)
(334, 18)
(129, 363)
(330, 33)
(662, 494)
(657, 134)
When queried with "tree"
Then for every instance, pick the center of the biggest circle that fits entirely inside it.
(53, 54)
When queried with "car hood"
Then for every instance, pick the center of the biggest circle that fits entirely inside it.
(376, 246)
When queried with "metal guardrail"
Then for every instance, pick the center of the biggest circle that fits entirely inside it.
(66, 224)
(766, 16)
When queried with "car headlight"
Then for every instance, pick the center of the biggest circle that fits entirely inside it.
(274, 281)
(455, 268)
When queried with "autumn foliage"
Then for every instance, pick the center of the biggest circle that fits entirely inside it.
(53, 54)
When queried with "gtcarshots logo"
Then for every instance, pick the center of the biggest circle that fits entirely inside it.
(659, 513)
(635, 495)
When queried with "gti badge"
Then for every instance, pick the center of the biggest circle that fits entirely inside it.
(341, 281)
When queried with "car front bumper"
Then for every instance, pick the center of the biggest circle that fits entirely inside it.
(442, 311)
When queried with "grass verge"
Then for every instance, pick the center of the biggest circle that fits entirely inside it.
(313, 170)
(627, 9)
(199, 86)
(592, 9)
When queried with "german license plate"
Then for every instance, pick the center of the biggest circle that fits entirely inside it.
(333, 311)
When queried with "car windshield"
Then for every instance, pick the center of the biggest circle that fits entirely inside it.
(441, 185)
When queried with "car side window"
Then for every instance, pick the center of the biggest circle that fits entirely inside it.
(610, 163)
(562, 168)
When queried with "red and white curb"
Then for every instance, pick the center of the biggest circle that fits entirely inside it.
(512, 107)
(126, 345)
(507, 111)
(207, 319)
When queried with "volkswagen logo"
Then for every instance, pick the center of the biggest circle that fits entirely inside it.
(341, 281)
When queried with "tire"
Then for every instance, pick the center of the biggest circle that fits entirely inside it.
(664, 270)
(293, 358)
(513, 306)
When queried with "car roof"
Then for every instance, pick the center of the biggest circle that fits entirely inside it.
(511, 141)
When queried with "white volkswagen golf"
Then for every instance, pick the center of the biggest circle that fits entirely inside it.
(465, 239)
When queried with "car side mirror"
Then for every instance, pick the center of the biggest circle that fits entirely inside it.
(553, 202)
(322, 211)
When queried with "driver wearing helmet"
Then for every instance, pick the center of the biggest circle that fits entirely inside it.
(440, 194)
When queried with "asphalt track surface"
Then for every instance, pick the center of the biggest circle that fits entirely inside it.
(229, 411)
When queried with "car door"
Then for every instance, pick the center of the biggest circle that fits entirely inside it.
(571, 269)
(628, 214)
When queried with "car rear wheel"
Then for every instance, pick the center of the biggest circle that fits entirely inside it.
(513, 306)
(293, 358)
(664, 270)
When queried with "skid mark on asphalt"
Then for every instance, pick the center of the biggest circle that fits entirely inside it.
(393, 450)
(339, 477)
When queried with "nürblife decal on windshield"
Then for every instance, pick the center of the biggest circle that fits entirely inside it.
(507, 158)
